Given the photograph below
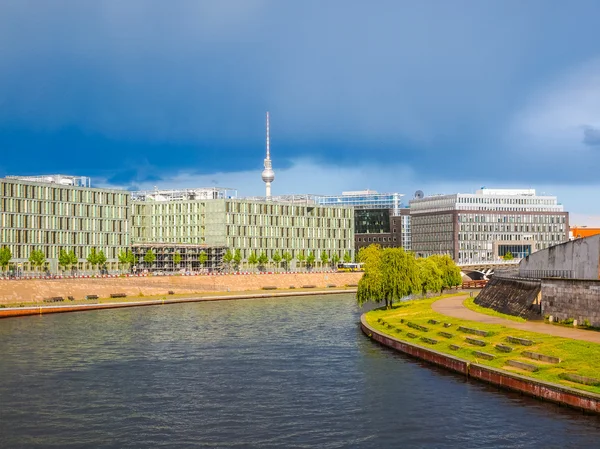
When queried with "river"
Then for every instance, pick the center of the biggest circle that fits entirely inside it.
(264, 373)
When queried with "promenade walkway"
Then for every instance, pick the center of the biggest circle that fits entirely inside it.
(453, 307)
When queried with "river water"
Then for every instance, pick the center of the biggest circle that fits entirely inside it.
(264, 373)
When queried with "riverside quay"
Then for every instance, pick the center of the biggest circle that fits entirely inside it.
(51, 213)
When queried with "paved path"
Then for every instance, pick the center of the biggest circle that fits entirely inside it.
(454, 307)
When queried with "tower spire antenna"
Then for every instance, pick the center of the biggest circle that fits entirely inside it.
(268, 175)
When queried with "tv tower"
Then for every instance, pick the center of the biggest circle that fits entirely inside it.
(268, 175)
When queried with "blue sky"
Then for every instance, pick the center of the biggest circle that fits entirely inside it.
(388, 95)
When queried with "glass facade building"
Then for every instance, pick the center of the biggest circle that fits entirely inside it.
(484, 226)
(364, 199)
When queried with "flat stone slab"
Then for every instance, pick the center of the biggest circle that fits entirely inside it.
(580, 379)
(454, 347)
(447, 324)
(522, 365)
(417, 326)
(519, 341)
(504, 348)
(433, 322)
(309, 286)
(429, 340)
(469, 330)
(269, 287)
(475, 342)
(484, 355)
(446, 334)
(540, 357)
(411, 335)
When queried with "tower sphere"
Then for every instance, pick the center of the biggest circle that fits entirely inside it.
(268, 175)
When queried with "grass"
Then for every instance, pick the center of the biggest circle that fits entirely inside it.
(469, 303)
(577, 357)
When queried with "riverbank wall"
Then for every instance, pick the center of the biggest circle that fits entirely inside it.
(547, 391)
(36, 290)
(12, 312)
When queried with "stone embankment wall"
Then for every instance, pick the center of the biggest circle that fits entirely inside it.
(512, 296)
(572, 298)
(577, 259)
(36, 290)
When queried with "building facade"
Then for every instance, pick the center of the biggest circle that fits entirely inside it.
(51, 213)
(486, 225)
(294, 225)
(378, 217)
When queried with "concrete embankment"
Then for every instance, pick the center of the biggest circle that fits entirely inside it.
(36, 290)
(542, 390)
(11, 312)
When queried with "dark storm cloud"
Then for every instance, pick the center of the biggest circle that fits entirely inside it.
(591, 136)
(134, 90)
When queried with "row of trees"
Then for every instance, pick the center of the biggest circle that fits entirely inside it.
(66, 259)
(234, 259)
(393, 273)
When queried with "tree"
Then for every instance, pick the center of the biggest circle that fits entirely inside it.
(508, 256)
(368, 252)
(37, 258)
(262, 261)
(5, 256)
(202, 258)
(301, 258)
(101, 259)
(237, 259)
(64, 260)
(310, 260)
(287, 258)
(324, 258)
(430, 276)
(227, 258)
(276, 259)
(334, 260)
(347, 257)
(252, 259)
(390, 275)
(149, 257)
(450, 272)
(126, 258)
(92, 257)
(176, 258)
(73, 260)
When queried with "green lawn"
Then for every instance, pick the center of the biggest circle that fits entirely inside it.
(577, 357)
(469, 303)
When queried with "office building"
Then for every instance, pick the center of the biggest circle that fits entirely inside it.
(486, 225)
(55, 212)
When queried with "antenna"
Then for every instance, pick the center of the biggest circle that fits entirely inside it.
(268, 139)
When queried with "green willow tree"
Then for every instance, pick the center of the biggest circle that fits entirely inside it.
(64, 260)
(37, 258)
(390, 275)
(149, 257)
(127, 258)
(430, 276)
(450, 272)
(324, 259)
(347, 257)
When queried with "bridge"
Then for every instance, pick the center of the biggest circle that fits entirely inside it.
(484, 269)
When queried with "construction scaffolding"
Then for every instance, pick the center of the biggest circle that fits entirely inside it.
(165, 259)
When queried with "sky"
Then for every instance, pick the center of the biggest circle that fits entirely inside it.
(392, 96)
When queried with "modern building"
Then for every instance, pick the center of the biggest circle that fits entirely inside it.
(211, 217)
(579, 232)
(55, 212)
(378, 217)
(486, 225)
